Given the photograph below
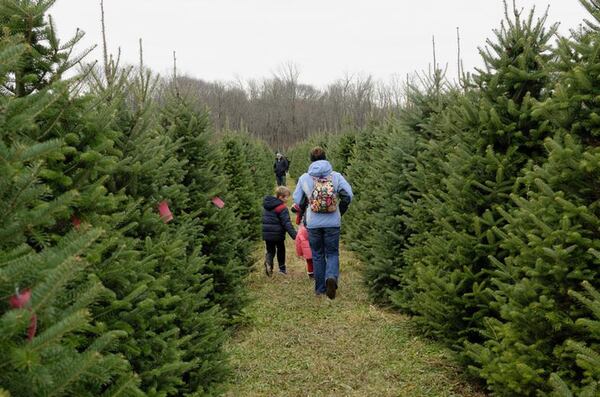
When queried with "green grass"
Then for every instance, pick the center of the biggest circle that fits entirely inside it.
(301, 345)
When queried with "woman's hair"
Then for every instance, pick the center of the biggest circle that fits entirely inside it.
(317, 153)
(282, 191)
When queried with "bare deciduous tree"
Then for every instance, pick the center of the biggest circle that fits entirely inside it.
(282, 110)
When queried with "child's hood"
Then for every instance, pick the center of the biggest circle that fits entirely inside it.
(271, 202)
(320, 168)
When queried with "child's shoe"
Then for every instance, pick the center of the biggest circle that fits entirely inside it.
(283, 272)
(310, 269)
(268, 269)
(268, 265)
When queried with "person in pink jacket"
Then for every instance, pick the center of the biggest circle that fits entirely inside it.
(302, 243)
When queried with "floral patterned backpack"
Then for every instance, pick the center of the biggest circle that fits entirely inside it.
(323, 198)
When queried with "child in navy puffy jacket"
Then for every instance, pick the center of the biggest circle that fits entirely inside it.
(275, 223)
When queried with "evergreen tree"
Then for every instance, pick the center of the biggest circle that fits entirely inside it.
(416, 146)
(219, 236)
(340, 149)
(365, 173)
(88, 176)
(82, 168)
(551, 239)
(260, 164)
(498, 136)
(177, 327)
(588, 357)
(45, 58)
(385, 269)
(53, 312)
(245, 201)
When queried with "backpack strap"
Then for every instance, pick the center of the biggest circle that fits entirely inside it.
(329, 177)
(279, 209)
(335, 181)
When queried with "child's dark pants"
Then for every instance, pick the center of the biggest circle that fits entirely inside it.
(280, 180)
(276, 247)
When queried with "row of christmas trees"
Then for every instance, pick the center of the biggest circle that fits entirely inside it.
(126, 228)
(477, 208)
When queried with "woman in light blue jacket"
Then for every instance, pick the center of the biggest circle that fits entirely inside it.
(323, 221)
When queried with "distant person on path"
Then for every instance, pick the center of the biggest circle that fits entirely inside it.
(326, 196)
(275, 223)
(281, 167)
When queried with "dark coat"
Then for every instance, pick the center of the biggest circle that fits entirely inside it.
(276, 220)
(281, 166)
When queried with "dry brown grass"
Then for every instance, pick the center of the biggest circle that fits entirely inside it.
(301, 345)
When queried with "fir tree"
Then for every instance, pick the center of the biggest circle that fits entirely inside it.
(588, 357)
(45, 58)
(245, 201)
(84, 165)
(551, 239)
(498, 137)
(55, 360)
(385, 270)
(219, 236)
(86, 174)
(415, 150)
(364, 164)
(176, 329)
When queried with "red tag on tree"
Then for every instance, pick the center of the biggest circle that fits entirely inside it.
(76, 222)
(19, 300)
(32, 327)
(218, 202)
(165, 212)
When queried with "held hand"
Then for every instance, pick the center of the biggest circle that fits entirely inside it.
(296, 210)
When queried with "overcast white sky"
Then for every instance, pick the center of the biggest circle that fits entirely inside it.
(225, 39)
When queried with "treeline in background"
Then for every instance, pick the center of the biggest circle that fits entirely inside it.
(477, 208)
(282, 111)
(126, 226)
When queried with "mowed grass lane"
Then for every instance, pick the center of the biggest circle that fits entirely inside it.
(299, 345)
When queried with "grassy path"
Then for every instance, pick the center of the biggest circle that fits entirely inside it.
(301, 345)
